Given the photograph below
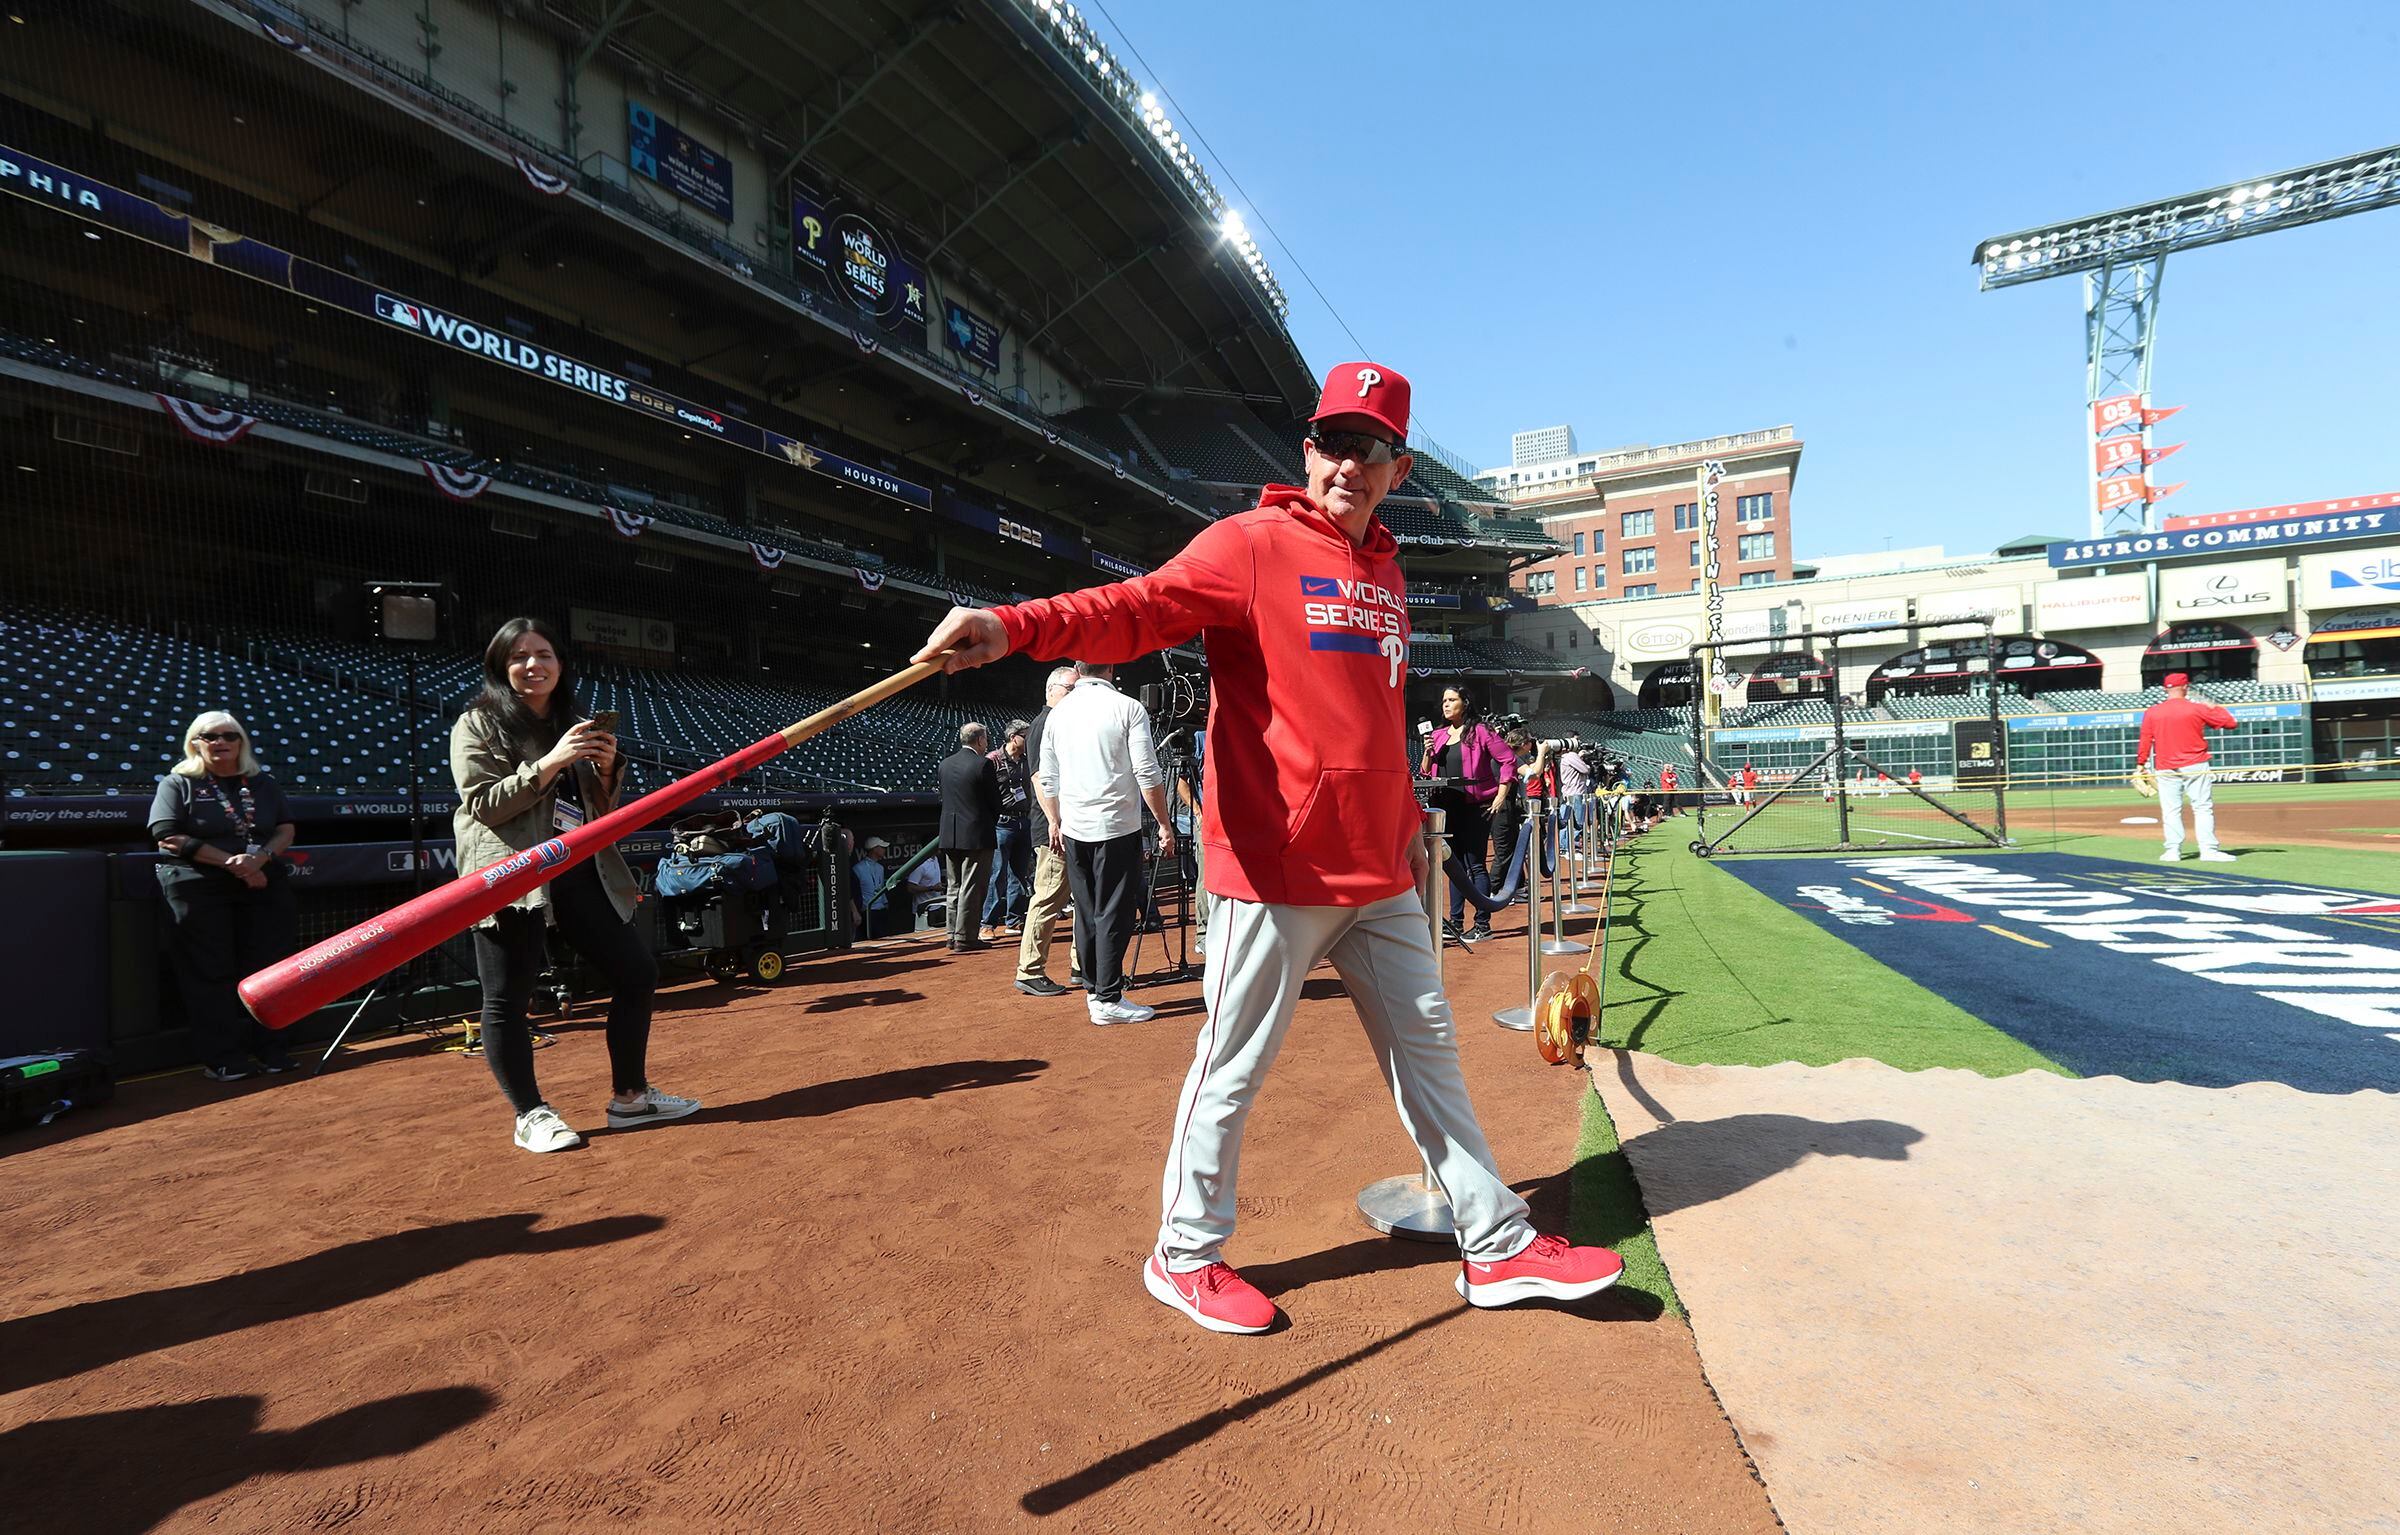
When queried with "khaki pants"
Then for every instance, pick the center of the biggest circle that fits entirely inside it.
(1041, 913)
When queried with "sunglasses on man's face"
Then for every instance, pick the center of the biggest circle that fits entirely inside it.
(1365, 447)
(220, 735)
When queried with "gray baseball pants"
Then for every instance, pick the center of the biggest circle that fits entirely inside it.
(1258, 956)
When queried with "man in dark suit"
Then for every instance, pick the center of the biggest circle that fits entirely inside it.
(970, 830)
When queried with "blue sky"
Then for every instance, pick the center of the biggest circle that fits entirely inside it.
(1662, 222)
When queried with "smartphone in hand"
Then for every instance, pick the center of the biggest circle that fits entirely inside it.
(605, 719)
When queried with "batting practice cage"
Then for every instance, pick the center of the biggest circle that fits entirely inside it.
(1816, 770)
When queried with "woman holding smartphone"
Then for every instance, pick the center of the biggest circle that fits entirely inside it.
(530, 765)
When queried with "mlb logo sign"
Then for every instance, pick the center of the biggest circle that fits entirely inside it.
(399, 311)
(1320, 586)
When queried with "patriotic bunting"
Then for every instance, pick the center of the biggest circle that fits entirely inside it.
(872, 580)
(1420, 671)
(548, 183)
(768, 556)
(628, 521)
(973, 394)
(962, 600)
(206, 423)
(866, 343)
(276, 34)
(457, 484)
(1118, 470)
(1049, 436)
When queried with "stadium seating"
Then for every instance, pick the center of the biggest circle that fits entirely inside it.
(94, 706)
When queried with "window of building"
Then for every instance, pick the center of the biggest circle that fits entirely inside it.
(1553, 639)
(1758, 546)
(1760, 508)
(1640, 562)
(1758, 578)
(1579, 543)
(1599, 577)
(1695, 554)
(1640, 524)
(1579, 581)
(1642, 591)
(1587, 466)
(1573, 639)
(1687, 516)
(1596, 541)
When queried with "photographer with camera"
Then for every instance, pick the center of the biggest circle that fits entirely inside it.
(1472, 767)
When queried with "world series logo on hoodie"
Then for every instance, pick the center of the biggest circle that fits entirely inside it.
(1355, 616)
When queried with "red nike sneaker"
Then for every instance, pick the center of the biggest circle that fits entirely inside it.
(1216, 1297)
(1548, 1269)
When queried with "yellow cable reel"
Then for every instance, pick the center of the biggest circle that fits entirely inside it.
(1566, 1014)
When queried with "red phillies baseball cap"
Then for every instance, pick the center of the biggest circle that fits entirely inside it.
(2177, 680)
(1366, 389)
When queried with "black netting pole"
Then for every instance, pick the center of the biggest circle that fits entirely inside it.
(1841, 748)
(1991, 674)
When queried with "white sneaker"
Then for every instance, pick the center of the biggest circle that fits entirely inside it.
(651, 1108)
(540, 1129)
(2175, 856)
(2215, 855)
(1105, 1013)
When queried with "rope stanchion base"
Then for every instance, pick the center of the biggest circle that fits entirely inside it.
(1412, 1206)
(1517, 1018)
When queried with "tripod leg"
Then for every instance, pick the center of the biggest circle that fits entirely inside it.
(347, 1025)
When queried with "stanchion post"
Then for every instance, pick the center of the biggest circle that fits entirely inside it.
(1521, 1018)
(1557, 943)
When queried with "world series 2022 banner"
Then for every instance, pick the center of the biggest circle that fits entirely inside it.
(849, 249)
(2112, 968)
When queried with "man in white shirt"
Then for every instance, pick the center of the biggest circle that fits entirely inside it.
(1098, 769)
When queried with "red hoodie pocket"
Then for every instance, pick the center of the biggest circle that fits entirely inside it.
(1351, 827)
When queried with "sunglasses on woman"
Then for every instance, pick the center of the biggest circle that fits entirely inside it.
(220, 735)
(1365, 447)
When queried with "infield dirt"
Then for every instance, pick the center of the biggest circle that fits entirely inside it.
(889, 1279)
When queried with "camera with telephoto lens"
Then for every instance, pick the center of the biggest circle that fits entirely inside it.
(1183, 696)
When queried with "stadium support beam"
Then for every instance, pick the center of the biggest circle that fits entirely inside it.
(1085, 290)
(2122, 257)
(884, 62)
(1002, 187)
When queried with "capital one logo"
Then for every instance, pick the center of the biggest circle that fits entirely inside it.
(1368, 378)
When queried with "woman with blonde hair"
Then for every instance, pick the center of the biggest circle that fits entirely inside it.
(224, 827)
(530, 764)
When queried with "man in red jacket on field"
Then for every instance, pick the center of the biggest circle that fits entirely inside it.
(2173, 735)
(1313, 841)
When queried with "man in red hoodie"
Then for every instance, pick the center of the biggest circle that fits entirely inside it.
(2172, 736)
(1312, 837)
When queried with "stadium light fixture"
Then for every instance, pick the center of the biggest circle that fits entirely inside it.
(2309, 194)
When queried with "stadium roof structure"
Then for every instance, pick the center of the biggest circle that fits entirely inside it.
(1016, 148)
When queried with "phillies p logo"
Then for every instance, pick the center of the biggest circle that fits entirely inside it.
(1395, 651)
(1368, 378)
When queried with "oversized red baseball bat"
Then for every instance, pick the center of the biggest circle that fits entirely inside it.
(293, 988)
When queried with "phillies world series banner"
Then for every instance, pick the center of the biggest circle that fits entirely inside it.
(848, 248)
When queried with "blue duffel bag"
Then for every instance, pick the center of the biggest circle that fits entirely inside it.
(680, 874)
(786, 841)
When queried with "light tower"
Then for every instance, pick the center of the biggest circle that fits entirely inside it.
(2122, 257)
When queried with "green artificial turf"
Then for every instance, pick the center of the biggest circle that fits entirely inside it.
(1607, 1206)
(1704, 970)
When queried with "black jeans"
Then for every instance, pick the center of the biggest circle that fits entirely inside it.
(1505, 827)
(1470, 829)
(1107, 880)
(509, 957)
(224, 930)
